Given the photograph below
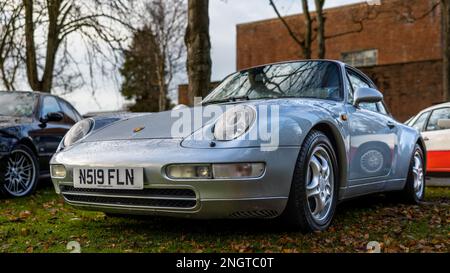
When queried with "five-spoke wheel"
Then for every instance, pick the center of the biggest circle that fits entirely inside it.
(419, 177)
(313, 195)
(320, 183)
(414, 190)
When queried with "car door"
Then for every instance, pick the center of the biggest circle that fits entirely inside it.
(49, 134)
(437, 138)
(373, 136)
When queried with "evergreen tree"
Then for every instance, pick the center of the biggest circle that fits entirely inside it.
(139, 72)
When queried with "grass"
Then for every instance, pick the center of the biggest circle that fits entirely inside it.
(43, 223)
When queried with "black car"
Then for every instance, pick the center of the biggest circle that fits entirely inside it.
(32, 125)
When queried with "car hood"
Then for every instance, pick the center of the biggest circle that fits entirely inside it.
(165, 125)
(7, 121)
(144, 126)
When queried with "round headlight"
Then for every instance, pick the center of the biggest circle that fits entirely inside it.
(77, 132)
(234, 123)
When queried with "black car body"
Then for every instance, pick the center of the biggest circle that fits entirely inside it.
(32, 125)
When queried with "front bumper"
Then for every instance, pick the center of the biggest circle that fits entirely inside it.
(263, 197)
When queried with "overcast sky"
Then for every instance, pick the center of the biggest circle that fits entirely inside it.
(224, 16)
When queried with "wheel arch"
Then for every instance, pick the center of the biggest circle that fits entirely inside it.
(29, 143)
(337, 140)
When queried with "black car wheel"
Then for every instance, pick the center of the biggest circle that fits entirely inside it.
(20, 172)
(314, 191)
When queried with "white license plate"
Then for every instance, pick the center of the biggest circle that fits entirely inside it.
(109, 178)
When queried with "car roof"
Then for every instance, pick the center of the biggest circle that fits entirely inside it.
(295, 61)
(37, 93)
(29, 92)
(437, 106)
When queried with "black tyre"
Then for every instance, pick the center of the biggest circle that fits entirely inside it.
(314, 190)
(414, 191)
(20, 173)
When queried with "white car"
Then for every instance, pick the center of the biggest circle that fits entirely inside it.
(434, 124)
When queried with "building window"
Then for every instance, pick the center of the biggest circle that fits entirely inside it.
(361, 58)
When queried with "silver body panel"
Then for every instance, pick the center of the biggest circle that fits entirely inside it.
(115, 145)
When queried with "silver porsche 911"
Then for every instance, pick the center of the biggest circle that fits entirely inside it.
(286, 140)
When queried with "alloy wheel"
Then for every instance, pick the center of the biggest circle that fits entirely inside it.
(320, 184)
(20, 173)
(419, 177)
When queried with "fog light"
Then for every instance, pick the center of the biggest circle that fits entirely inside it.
(189, 171)
(58, 171)
(238, 170)
(216, 171)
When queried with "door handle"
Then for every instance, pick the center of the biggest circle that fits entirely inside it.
(426, 139)
(391, 124)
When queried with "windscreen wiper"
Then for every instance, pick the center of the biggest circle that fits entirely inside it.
(230, 99)
(246, 97)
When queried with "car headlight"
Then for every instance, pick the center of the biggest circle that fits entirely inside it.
(78, 132)
(234, 123)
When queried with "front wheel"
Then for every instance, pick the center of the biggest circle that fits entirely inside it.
(21, 172)
(314, 191)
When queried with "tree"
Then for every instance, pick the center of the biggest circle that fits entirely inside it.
(307, 50)
(10, 43)
(320, 28)
(166, 19)
(139, 72)
(94, 23)
(198, 49)
(445, 6)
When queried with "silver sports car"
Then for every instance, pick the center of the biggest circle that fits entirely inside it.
(286, 140)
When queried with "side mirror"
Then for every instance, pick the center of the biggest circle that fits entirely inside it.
(53, 116)
(444, 124)
(367, 95)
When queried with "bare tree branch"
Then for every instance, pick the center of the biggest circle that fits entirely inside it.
(103, 25)
(299, 41)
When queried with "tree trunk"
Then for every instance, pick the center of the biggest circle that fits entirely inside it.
(320, 28)
(446, 37)
(31, 62)
(52, 44)
(308, 31)
(198, 49)
(45, 84)
(162, 98)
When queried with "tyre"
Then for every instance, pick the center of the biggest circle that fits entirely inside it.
(414, 191)
(314, 190)
(20, 173)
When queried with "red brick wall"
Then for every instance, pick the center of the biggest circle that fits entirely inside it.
(407, 34)
(410, 87)
(392, 30)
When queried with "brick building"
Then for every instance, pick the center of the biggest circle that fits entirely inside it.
(398, 44)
